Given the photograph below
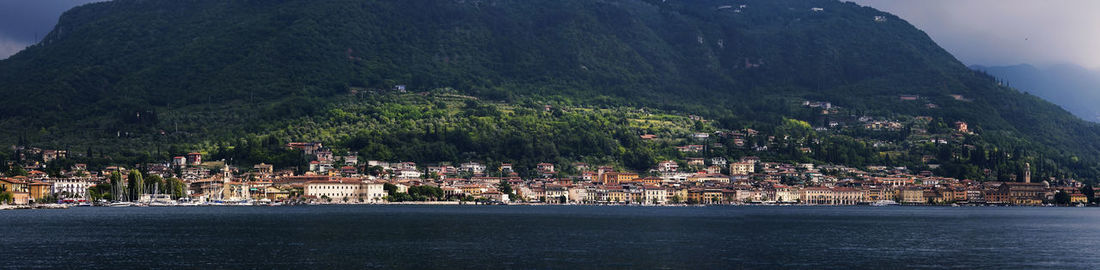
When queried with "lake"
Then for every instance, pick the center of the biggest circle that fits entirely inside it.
(561, 237)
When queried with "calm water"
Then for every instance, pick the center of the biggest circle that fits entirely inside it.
(563, 237)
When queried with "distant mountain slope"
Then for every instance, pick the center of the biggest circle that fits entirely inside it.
(140, 73)
(1073, 87)
(157, 53)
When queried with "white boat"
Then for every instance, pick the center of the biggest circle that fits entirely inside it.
(52, 206)
(243, 202)
(884, 203)
(162, 203)
(121, 204)
(189, 203)
(162, 200)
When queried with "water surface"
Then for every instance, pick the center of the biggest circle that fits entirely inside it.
(562, 237)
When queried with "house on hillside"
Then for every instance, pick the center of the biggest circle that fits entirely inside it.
(194, 158)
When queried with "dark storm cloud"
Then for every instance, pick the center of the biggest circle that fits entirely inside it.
(1003, 32)
(23, 20)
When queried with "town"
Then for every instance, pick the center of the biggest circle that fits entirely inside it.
(708, 166)
(344, 179)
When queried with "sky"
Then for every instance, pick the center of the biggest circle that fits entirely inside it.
(1007, 32)
(983, 32)
(23, 20)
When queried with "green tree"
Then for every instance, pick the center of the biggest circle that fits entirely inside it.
(176, 187)
(116, 186)
(1089, 193)
(5, 196)
(156, 183)
(677, 199)
(391, 189)
(375, 170)
(17, 170)
(100, 191)
(504, 187)
(48, 198)
(1062, 198)
(424, 192)
(136, 185)
(399, 197)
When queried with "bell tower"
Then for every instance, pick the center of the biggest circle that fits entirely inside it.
(1027, 172)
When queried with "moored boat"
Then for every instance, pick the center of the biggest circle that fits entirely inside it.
(884, 203)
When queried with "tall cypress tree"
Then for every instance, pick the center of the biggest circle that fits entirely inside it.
(136, 185)
(116, 186)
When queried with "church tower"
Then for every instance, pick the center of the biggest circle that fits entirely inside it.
(1027, 172)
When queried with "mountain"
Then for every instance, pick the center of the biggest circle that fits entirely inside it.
(1073, 87)
(154, 77)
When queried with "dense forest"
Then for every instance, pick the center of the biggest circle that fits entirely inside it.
(130, 81)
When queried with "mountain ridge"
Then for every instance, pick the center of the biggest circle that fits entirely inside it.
(1067, 85)
(112, 69)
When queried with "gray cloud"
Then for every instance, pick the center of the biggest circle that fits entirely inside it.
(10, 46)
(22, 21)
(1004, 32)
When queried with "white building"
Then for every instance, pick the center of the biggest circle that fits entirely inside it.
(667, 166)
(785, 194)
(719, 161)
(351, 159)
(373, 192)
(336, 191)
(556, 194)
(578, 194)
(384, 165)
(742, 168)
(675, 176)
(472, 167)
(70, 187)
(655, 195)
(408, 174)
(351, 192)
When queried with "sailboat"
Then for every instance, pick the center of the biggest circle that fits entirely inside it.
(158, 199)
(121, 195)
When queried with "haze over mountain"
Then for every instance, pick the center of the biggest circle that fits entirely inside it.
(23, 22)
(137, 75)
(1073, 87)
(1006, 32)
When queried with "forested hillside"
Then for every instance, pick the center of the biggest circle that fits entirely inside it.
(1073, 87)
(131, 78)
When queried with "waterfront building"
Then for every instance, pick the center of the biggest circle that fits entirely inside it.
(655, 195)
(38, 190)
(912, 195)
(73, 187)
(345, 191)
(831, 196)
(19, 189)
(1023, 193)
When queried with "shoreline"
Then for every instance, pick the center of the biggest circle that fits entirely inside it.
(458, 203)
